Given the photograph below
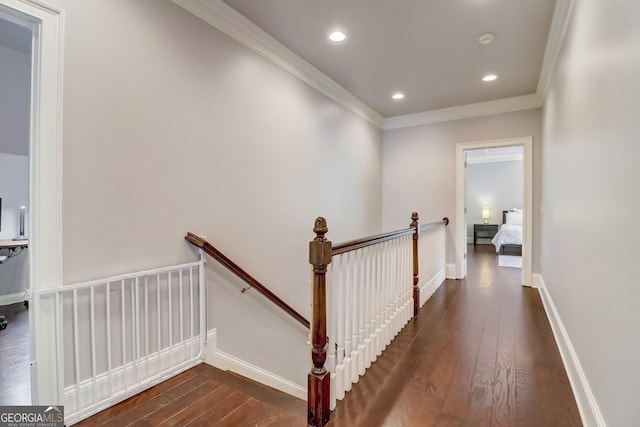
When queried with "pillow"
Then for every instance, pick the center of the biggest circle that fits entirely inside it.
(514, 218)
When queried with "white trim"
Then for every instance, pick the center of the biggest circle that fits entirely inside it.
(13, 298)
(45, 190)
(536, 281)
(461, 232)
(505, 105)
(226, 19)
(586, 401)
(450, 271)
(227, 362)
(494, 158)
(559, 24)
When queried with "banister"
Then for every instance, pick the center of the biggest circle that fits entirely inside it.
(352, 245)
(321, 251)
(210, 250)
(431, 225)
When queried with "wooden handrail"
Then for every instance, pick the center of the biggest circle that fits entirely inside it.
(352, 245)
(246, 277)
(444, 221)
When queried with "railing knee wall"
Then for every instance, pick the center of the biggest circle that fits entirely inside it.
(364, 292)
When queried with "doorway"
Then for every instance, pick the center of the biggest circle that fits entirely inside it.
(44, 217)
(462, 216)
(15, 128)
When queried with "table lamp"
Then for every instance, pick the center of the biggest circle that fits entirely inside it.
(485, 214)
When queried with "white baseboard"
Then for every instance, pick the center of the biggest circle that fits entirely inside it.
(536, 281)
(12, 298)
(228, 362)
(586, 401)
(450, 271)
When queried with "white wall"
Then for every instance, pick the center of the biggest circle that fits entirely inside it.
(496, 185)
(170, 126)
(14, 191)
(419, 170)
(591, 200)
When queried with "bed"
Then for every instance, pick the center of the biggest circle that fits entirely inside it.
(508, 239)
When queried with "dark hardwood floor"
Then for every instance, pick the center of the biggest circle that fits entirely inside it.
(205, 395)
(480, 353)
(15, 376)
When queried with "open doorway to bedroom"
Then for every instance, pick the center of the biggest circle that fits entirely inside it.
(487, 212)
(494, 198)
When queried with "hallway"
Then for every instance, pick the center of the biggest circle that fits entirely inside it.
(480, 353)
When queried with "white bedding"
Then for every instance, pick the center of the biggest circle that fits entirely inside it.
(507, 235)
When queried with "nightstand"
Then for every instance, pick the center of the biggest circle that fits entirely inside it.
(484, 231)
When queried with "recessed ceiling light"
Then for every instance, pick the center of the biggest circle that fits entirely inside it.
(337, 36)
(397, 96)
(486, 38)
(489, 78)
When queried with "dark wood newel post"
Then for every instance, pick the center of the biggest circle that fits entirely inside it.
(416, 289)
(318, 379)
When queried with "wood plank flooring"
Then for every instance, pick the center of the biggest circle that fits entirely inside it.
(480, 353)
(15, 374)
(201, 396)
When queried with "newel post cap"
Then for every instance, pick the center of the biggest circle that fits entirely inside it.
(320, 248)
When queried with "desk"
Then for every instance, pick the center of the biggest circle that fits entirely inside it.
(15, 247)
(13, 244)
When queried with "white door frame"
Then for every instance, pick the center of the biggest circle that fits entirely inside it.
(461, 231)
(45, 201)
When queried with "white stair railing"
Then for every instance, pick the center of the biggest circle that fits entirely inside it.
(369, 301)
(118, 336)
(371, 288)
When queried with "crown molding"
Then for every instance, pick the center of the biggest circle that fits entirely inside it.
(516, 103)
(559, 24)
(226, 19)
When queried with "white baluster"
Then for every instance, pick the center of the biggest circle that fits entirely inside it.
(340, 270)
(347, 320)
(331, 331)
(367, 306)
(355, 307)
